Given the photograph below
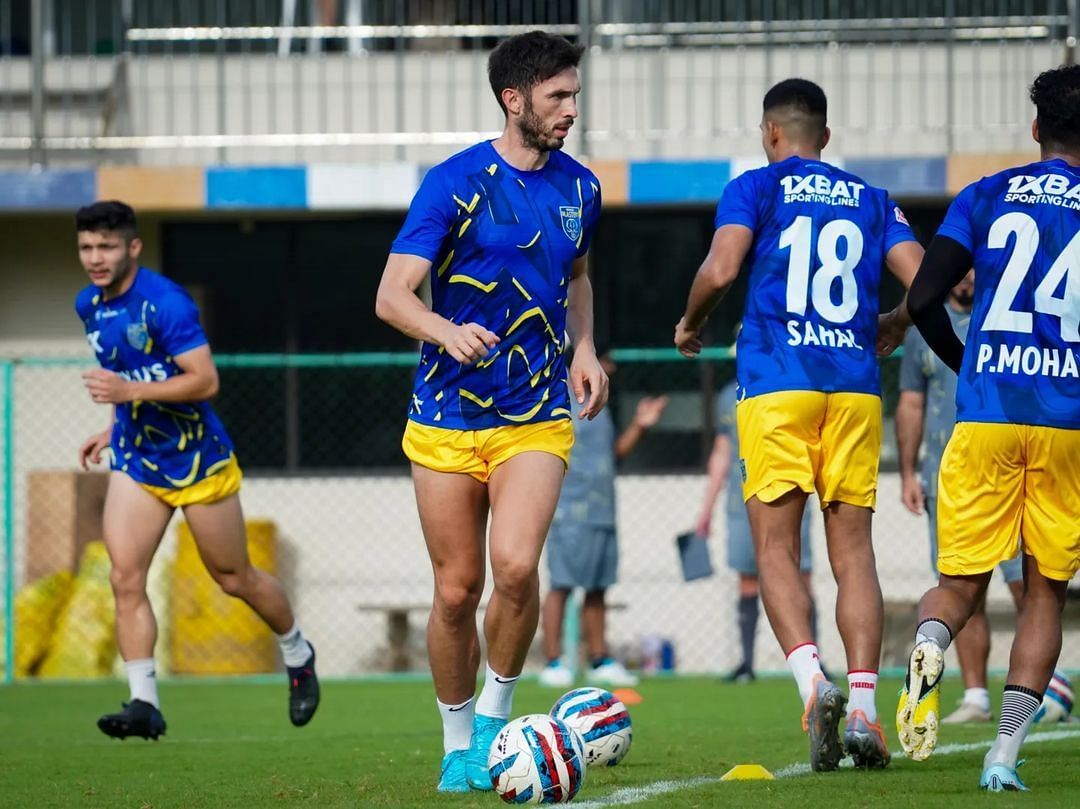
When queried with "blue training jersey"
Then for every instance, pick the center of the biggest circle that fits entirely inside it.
(501, 242)
(820, 240)
(136, 335)
(1021, 363)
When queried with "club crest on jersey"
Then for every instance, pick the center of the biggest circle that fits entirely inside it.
(137, 336)
(571, 221)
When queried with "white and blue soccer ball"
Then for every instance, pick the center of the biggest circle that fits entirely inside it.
(1057, 703)
(601, 719)
(537, 759)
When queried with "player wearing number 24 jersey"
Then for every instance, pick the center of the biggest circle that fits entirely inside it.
(814, 240)
(1010, 474)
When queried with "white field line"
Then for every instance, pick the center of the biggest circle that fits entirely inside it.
(631, 795)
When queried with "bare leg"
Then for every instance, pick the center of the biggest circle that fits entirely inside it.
(973, 647)
(134, 522)
(554, 612)
(776, 530)
(1037, 643)
(593, 624)
(453, 515)
(954, 600)
(221, 537)
(860, 613)
(524, 492)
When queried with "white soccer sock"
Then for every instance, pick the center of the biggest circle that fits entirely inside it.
(295, 650)
(1018, 707)
(497, 695)
(805, 665)
(977, 696)
(142, 680)
(456, 724)
(862, 686)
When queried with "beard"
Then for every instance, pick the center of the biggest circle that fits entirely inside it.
(533, 134)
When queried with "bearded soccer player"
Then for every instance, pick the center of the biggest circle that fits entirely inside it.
(814, 239)
(168, 450)
(502, 232)
(1012, 465)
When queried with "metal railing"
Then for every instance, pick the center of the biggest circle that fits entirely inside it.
(258, 81)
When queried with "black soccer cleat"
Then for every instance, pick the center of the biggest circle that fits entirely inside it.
(137, 719)
(303, 691)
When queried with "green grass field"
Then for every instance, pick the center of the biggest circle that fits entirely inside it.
(378, 744)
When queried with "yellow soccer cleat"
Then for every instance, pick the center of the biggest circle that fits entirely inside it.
(920, 701)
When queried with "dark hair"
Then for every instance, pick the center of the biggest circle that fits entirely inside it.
(111, 215)
(798, 94)
(525, 60)
(1056, 96)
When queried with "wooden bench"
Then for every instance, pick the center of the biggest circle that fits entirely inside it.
(901, 616)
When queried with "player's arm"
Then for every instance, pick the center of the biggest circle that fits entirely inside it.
(647, 414)
(945, 264)
(92, 447)
(729, 248)
(718, 469)
(587, 377)
(398, 304)
(910, 412)
(903, 262)
(197, 382)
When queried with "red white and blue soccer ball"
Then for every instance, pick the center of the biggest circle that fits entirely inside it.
(601, 719)
(1057, 703)
(537, 759)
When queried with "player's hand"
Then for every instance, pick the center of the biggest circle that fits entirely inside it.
(911, 494)
(92, 447)
(468, 342)
(649, 410)
(687, 340)
(703, 526)
(105, 387)
(589, 381)
(891, 333)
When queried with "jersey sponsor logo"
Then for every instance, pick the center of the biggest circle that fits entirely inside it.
(94, 339)
(1029, 361)
(137, 336)
(105, 314)
(821, 189)
(805, 333)
(1044, 189)
(147, 373)
(571, 221)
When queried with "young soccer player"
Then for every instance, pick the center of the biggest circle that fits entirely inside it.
(1012, 465)
(502, 231)
(815, 239)
(168, 450)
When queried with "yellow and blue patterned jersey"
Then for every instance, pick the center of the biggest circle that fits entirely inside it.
(501, 242)
(821, 236)
(137, 335)
(1021, 363)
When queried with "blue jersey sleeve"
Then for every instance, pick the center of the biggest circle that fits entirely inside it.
(912, 377)
(430, 217)
(738, 205)
(957, 224)
(897, 229)
(588, 227)
(176, 327)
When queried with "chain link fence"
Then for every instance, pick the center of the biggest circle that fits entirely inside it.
(330, 509)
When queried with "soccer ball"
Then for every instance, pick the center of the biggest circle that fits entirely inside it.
(537, 759)
(1057, 703)
(601, 719)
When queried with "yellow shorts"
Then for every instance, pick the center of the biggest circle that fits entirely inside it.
(808, 440)
(1001, 482)
(216, 486)
(479, 452)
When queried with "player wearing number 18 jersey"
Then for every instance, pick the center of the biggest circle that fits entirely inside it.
(1012, 466)
(814, 239)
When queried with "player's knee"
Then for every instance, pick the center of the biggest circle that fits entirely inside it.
(456, 602)
(128, 584)
(234, 583)
(516, 580)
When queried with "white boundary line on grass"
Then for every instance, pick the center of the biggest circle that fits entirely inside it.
(631, 795)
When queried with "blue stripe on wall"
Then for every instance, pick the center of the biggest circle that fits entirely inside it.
(902, 175)
(678, 181)
(269, 187)
(59, 189)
